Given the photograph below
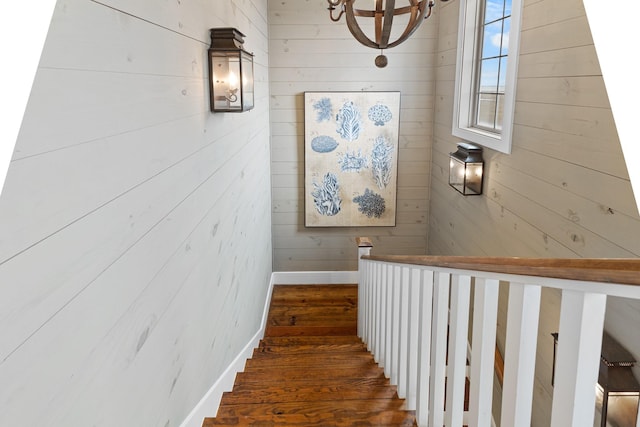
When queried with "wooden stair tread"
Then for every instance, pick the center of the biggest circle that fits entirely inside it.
(302, 360)
(318, 343)
(279, 331)
(278, 394)
(307, 349)
(260, 375)
(363, 382)
(353, 407)
(374, 418)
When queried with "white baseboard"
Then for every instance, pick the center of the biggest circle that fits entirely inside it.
(208, 405)
(314, 277)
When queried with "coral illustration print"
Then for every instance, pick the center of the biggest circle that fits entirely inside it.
(351, 158)
(326, 195)
(371, 204)
(353, 162)
(323, 109)
(349, 121)
(323, 144)
(379, 114)
(381, 163)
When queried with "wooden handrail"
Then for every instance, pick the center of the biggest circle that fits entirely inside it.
(607, 270)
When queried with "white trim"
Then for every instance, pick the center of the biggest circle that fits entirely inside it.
(208, 405)
(314, 277)
(465, 64)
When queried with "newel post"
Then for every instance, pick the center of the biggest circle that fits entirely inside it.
(364, 248)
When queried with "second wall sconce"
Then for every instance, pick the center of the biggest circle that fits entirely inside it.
(230, 72)
(466, 168)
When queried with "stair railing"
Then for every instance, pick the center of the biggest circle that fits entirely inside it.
(413, 315)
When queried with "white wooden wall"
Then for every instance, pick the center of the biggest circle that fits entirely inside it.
(308, 52)
(564, 191)
(135, 239)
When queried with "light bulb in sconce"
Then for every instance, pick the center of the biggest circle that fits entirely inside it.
(230, 85)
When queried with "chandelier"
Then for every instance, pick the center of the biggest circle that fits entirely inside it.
(383, 14)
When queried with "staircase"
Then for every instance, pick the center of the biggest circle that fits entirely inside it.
(311, 368)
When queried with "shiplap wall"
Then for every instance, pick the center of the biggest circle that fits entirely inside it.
(135, 229)
(308, 52)
(563, 191)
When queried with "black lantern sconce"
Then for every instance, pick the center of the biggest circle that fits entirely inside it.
(615, 379)
(466, 169)
(230, 72)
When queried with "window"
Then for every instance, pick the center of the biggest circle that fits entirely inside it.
(486, 70)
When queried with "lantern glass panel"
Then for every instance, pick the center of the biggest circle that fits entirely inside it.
(247, 80)
(473, 178)
(456, 174)
(226, 80)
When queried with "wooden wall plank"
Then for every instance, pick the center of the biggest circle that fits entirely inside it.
(554, 195)
(136, 250)
(310, 53)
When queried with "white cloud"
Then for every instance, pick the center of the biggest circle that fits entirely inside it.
(495, 40)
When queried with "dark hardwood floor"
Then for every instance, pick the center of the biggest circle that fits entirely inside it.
(311, 369)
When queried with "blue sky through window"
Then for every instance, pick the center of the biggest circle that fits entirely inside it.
(497, 23)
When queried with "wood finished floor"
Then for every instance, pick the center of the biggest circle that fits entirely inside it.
(311, 369)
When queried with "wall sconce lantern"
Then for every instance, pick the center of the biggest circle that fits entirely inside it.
(230, 72)
(615, 379)
(466, 169)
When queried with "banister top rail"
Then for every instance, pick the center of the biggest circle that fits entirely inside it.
(624, 271)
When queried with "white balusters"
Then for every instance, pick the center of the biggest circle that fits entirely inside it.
(485, 316)
(520, 354)
(394, 341)
(438, 368)
(388, 321)
(411, 326)
(403, 336)
(457, 366)
(579, 341)
(413, 332)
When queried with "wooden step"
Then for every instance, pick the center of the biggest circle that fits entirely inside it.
(310, 344)
(327, 409)
(276, 393)
(371, 418)
(310, 360)
(269, 374)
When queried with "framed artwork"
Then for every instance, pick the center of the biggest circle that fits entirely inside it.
(351, 158)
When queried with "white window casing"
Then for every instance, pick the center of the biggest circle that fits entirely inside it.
(468, 59)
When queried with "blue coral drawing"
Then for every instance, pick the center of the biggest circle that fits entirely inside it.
(323, 109)
(323, 144)
(352, 161)
(349, 121)
(326, 196)
(370, 204)
(381, 162)
(379, 114)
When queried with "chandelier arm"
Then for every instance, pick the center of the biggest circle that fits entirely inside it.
(377, 23)
(335, 19)
(355, 29)
(425, 12)
(332, 7)
(387, 22)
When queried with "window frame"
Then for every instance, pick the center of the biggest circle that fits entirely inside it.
(467, 63)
